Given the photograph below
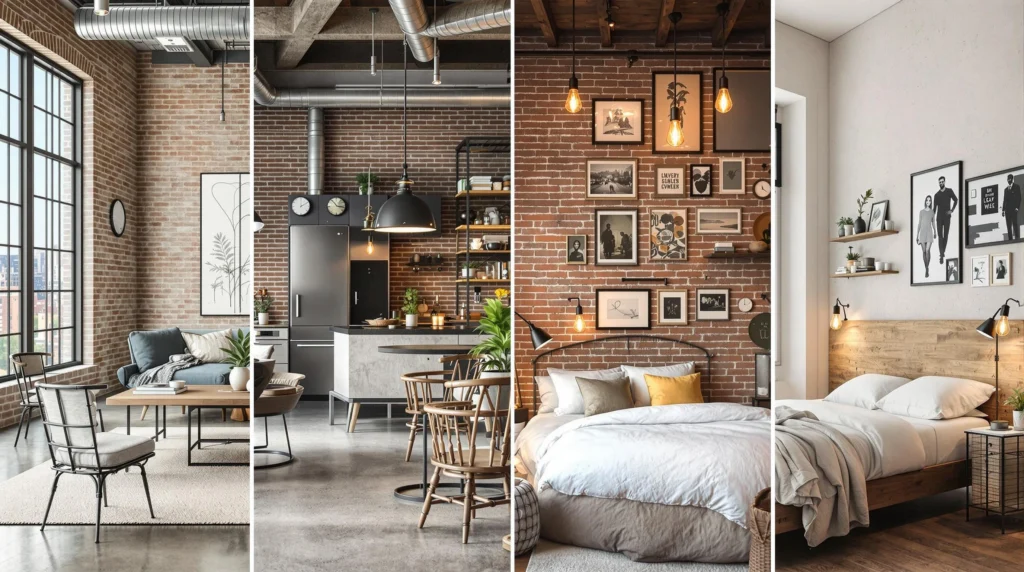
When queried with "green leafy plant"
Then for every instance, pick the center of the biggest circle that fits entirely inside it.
(365, 179)
(496, 322)
(863, 201)
(470, 265)
(855, 256)
(1016, 399)
(844, 220)
(411, 301)
(262, 301)
(238, 349)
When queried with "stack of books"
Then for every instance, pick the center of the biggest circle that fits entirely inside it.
(158, 389)
(480, 183)
(724, 247)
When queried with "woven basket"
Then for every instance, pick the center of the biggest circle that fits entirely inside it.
(759, 522)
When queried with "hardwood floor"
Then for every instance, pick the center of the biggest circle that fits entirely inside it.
(924, 535)
(522, 562)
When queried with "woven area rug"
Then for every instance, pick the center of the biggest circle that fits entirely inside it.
(181, 494)
(551, 557)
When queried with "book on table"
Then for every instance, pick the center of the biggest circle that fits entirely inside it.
(158, 389)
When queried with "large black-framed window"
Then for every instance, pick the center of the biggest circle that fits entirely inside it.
(40, 208)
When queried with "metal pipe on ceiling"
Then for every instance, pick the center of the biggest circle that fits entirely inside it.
(315, 151)
(147, 23)
(464, 18)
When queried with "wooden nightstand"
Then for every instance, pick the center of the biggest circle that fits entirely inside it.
(995, 467)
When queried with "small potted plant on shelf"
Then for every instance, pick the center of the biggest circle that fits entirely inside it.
(845, 225)
(410, 305)
(1016, 402)
(261, 305)
(469, 269)
(496, 323)
(851, 260)
(238, 357)
(860, 225)
(366, 182)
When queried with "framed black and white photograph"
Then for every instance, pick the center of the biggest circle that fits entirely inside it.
(576, 249)
(733, 175)
(1002, 269)
(936, 245)
(713, 304)
(670, 181)
(994, 210)
(623, 309)
(719, 221)
(686, 93)
(671, 307)
(700, 180)
(616, 237)
(979, 271)
(618, 121)
(225, 279)
(668, 234)
(879, 212)
(611, 179)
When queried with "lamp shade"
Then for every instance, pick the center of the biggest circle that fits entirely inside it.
(539, 337)
(257, 222)
(404, 213)
(987, 328)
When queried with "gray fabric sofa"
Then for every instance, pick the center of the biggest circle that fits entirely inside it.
(151, 348)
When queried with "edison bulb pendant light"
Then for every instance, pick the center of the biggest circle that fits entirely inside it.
(573, 103)
(836, 322)
(675, 129)
(723, 101)
(369, 245)
(1002, 326)
(579, 325)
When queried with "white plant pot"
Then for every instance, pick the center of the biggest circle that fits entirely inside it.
(849, 229)
(238, 377)
(264, 318)
(411, 320)
(1018, 420)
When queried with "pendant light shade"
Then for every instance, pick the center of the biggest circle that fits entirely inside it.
(675, 136)
(579, 324)
(837, 321)
(723, 100)
(573, 103)
(257, 222)
(538, 337)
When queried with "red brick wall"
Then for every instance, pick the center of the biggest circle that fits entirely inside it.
(180, 136)
(552, 147)
(355, 139)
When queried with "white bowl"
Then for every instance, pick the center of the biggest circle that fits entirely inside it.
(177, 384)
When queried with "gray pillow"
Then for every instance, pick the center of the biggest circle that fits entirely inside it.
(604, 395)
(155, 347)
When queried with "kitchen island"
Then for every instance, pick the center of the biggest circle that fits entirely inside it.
(363, 374)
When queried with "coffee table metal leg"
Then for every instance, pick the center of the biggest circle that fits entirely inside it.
(199, 428)
(188, 413)
(128, 423)
(156, 424)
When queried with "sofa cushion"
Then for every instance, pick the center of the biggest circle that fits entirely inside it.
(205, 374)
(155, 347)
(114, 450)
(209, 348)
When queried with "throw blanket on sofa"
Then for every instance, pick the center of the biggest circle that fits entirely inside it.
(711, 455)
(164, 373)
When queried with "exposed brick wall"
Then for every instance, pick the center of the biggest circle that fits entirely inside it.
(552, 147)
(180, 136)
(355, 139)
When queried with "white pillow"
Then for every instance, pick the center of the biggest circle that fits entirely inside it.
(936, 397)
(208, 348)
(570, 400)
(262, 352)
(641, 395)
(546, 392)
(864, 391)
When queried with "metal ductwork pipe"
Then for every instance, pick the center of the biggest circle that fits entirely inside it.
(268, 96)
(142, 23)
(315, 151)
(412, 19)
(465, 18)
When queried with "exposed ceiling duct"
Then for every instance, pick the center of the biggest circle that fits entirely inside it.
(266, 95)
(465, 18)
(150, 23)
(315, 151)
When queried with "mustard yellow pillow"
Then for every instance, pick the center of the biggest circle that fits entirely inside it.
(674, 390)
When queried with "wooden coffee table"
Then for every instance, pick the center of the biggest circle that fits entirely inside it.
(197, 398)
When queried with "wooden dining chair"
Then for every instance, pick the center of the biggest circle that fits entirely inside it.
(419, 389)
(464, 449)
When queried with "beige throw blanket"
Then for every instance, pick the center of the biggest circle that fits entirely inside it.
(818, 468)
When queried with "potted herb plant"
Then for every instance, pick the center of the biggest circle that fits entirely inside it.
(1016, 402)
(410, 305)
(238, 357)
(860, 225)
(366, 182)
(851, 260)
(469, 269)
(496, 323)
(261, 305)
(845, 225)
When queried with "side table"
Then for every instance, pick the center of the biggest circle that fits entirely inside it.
(995, 467)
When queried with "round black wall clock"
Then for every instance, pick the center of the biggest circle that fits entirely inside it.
(118, 217)
(761, 330)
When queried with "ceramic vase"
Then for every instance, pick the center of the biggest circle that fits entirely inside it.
(859, 226)
(1018, 420)
(264, 318)
(238, 377)
(411, 320)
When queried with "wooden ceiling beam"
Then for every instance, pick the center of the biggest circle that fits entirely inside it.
(664, 26)
(719, 35)
(602, 22)
(542, 11)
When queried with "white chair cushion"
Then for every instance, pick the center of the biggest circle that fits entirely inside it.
(114, 448)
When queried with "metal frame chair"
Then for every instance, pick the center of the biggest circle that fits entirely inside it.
(26, 365)
(418, 391)
(70, 432)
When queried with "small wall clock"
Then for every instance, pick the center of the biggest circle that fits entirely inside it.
(301, 206)
(745, 305)
(337, 206)
(118, 217)
(762, 189)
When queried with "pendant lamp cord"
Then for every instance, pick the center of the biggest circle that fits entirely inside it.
(223, 58)
(573, 38)
(725, 14)
(675, 58)
(405, 107)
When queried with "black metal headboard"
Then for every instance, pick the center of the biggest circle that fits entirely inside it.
(625, 337)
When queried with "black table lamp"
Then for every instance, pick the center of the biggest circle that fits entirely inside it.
(540, 338)
(994, 328)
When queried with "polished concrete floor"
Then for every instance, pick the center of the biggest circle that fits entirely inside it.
(151, 548)
(333, 507)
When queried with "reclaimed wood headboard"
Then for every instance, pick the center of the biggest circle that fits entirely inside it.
(913, 348)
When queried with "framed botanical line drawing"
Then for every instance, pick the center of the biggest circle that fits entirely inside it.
(623, 309)
(618, 121)
(671, 307)
(719, 221)
(700, 180)
(879, 212)
(713, 304)
(733, 176)
(686, 93)
(576, 249)
(615, 237)
(225, 275)
(935, 228)
(995, 208)
(611, 178)
(670, 181)
(668, 234)
(1002, 269)
(980, 271)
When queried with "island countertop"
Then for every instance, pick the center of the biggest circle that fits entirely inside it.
(401, 330)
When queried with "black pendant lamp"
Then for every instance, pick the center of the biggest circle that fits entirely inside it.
(538, 337)
(257, 222)
(405, 213)
(723, 100)
(675, 124)
(573, 104)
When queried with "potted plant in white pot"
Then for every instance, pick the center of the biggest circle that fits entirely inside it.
(410, 305)
(366, 181)
(845, 225)
(1016, 402)
(238, 357)
(469, 269)
(496, 323)
(261, 305)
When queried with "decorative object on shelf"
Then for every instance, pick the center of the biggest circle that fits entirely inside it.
(672, 307)
(611, 179)
(762, 228)
(576, 249)
(859, 225)
(301, 206)
(238, 356)
(760, 330)
(496, 323)
(733, 175)
(980, 275)
(879, 212)
(719, 221)
(685, 92)
(851, 259)
(668, 234)
(836, 322)
(410, 305)
(578, 324)
(745, 305)
(670, 181)
(261, 305)
(700, 180)
(763, 189)
(845, 225)
(723, 99)
(623, 309)
(994, 328)
(225, 242)
(617, 121)
(337, 206)
(713, 304)
(935, 227)
(890, 225)
(1002, 269)
(675, 136)
(616, 239)
(573, 103)
(476, 243)
(995, 208)
(757, 247)
(119, 219)
(366, 181)
(1016, 403)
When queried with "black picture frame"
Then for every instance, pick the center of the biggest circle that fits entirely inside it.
(662, 112)
(711, 180)
(885, 213)
(916, 206)
(638, 137)
(743, 112)
(968, 242)
(597, 308)
(569, 239)
(599, 247)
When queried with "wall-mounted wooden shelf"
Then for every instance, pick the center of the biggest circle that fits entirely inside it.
(864, 236)
(461, 194)
(483, 227)
(871, 273)
(767, 255)
(483, 281)
(482, 252)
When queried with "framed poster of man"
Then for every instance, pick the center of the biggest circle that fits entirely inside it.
(615, 237)
(994, 212)
(935, 229)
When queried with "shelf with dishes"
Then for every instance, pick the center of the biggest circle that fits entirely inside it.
(863, 236)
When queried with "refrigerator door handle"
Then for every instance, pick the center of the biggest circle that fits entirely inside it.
(357, 298)
(331, 345)
(297, 311)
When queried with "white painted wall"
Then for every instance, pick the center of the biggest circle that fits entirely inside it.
(925, 83)
(800, 228)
